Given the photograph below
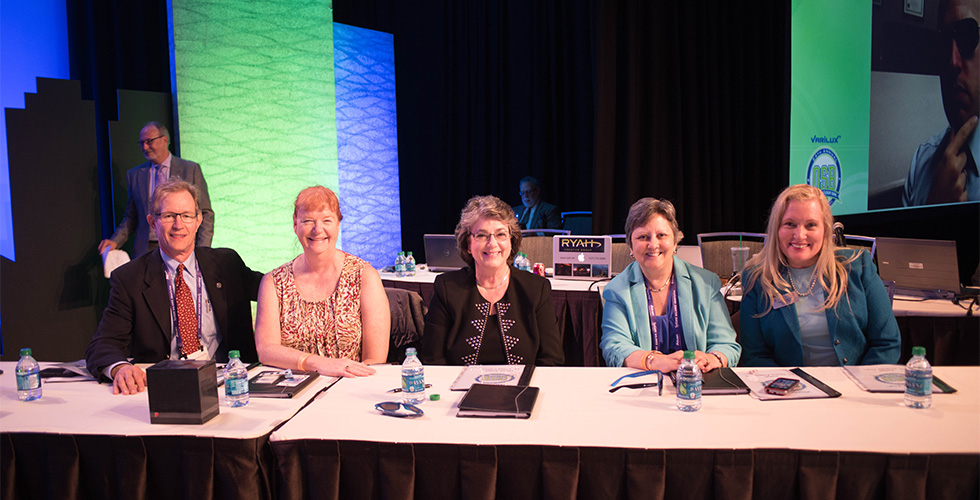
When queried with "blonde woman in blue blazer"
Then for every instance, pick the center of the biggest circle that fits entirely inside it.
(809, 303)
(660, 306)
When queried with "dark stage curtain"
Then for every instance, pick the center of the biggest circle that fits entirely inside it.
(692, 106)
(605, 102)
(488, 92)
(117, 44)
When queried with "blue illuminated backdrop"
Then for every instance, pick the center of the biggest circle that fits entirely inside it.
(34, 37)
(367, 143)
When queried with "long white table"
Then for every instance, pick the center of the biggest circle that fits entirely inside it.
(81, 441)
(577, 422)
(572, 399)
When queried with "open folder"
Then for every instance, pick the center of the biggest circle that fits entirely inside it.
(275, 384)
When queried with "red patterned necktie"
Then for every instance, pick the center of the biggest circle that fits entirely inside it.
(186, 316)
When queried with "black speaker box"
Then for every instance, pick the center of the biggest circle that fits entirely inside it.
(182, 391)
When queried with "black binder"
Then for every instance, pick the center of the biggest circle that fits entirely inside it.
(500, 401)
(721, 381)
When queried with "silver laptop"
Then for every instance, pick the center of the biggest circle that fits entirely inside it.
(923, 268)
(441, 253)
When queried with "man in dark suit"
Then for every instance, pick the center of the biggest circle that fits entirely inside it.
(534, 213)
(175, 302)
(140, 182)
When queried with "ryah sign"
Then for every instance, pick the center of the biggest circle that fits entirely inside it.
(582, 257)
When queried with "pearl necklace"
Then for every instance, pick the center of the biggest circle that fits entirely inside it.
(502, 283)
(813, 281)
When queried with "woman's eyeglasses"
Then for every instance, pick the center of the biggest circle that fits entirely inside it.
(392, 409)
(483, 238)
(659, 384)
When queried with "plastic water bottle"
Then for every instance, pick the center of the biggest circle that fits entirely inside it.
(28, 377)
(524, 262)
(400, 265)
(517, 261)
(918, 380)
(413, 378)
(688, 384)
(236, 381)
(409, 265)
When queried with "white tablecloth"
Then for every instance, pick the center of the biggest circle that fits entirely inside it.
(575, 409)
(91, 408)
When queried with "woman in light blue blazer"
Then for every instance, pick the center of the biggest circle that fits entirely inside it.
(808, 302)
(660, 306)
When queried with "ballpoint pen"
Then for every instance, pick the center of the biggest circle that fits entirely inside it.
(399, 389)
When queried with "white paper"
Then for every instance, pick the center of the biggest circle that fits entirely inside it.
(488, 374)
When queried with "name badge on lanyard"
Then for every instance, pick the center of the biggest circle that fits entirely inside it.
(174, 327)
(674, 335)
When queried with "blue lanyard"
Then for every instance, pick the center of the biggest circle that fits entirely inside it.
(174, 328)
(675, 332)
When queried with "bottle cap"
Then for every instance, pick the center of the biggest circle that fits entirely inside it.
(688, 354)
(408, 253)
(433, 397)
(410, 351)
(234, 354)
(25, 351)
(918, 351)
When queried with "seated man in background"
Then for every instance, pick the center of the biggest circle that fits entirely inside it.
(176, 302)
(140, 184)
(534, 213)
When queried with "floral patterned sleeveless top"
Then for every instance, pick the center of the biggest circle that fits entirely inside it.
(330, 327)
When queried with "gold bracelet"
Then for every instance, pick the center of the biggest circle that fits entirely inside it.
(649, 358)
(302, 360)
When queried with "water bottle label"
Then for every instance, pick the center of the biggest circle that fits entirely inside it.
(413, 383)
(918, 386)
(28, 382)
(689, 390)
(236, 387)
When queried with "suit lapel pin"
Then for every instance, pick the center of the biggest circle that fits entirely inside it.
(218, 284)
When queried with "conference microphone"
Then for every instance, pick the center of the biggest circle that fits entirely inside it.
(839, 235)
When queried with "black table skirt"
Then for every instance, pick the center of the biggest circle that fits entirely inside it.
(328, 469)
(68, 467)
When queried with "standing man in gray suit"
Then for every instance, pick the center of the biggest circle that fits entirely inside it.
(143, 179)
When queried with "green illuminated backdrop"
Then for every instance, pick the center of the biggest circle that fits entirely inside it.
(830, 94)
(255, 92)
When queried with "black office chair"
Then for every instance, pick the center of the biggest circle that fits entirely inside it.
(544, 232)
(577, 222)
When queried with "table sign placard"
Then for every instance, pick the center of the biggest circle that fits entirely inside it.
(579, 257)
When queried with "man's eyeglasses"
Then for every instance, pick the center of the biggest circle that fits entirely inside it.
(966, 33)
(528, 192)
(169, 217)
(392, 409)
(148, 141)
(659, 384)
(483, 238)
